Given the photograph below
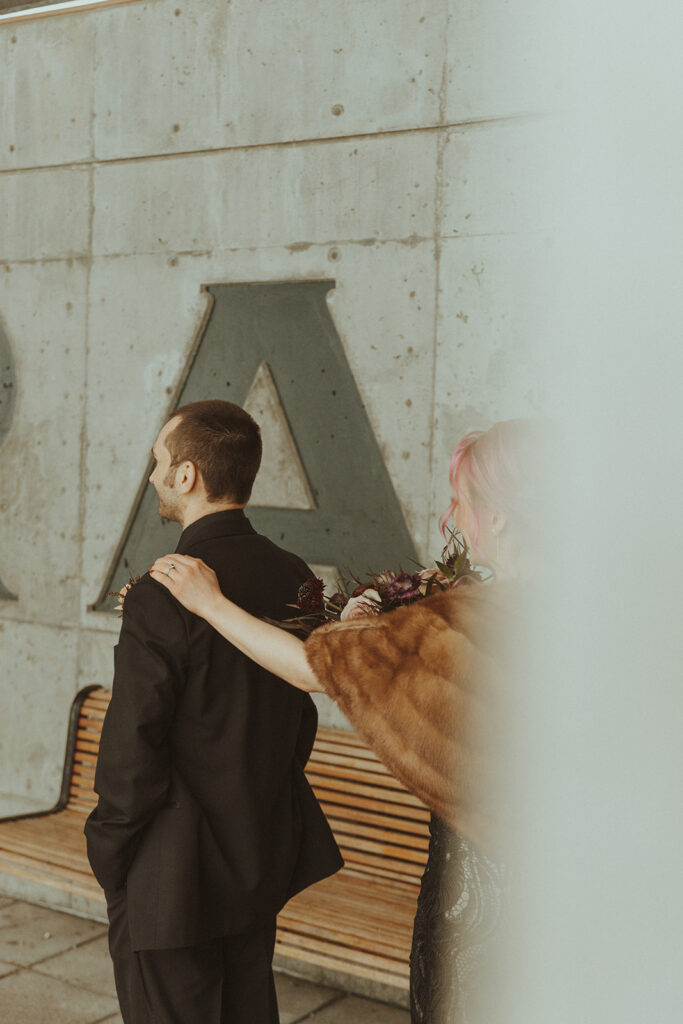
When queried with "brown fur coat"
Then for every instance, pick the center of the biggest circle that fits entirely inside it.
(425, 688)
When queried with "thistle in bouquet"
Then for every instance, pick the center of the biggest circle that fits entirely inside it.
(120, 595)
(381, 592)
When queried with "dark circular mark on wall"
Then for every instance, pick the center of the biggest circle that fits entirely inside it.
(7, 385)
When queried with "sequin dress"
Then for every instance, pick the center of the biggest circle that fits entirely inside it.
(460, 914)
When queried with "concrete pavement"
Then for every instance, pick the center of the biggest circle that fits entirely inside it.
(55, 969)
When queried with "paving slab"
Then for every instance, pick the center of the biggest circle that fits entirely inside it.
(88, 967)
(55, 969)
(297, 998)
(354, 1010)
(29, 934)
(30, 998)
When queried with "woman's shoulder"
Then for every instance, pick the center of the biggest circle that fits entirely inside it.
(460, 608)
(435, 626)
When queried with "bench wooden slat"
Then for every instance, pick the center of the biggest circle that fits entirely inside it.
(352, 927)
(378, 844)
(94, 715)
(329, 734)
(326, 753)
(382, 868)
(397, 796)
(333, 800)
(344, 773)
(16, 860)
(83, 757)
(364, 907)
(341, 749)
(88, 733)
(351, 953)
(342, 813)
(28, 846)
(331, 962)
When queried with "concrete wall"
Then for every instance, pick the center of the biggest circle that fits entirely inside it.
(152, 148)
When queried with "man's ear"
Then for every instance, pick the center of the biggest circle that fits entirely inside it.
(187, 477)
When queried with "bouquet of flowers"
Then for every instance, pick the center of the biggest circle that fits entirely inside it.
(381, 592)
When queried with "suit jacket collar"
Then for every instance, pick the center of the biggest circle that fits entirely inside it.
(229, 522)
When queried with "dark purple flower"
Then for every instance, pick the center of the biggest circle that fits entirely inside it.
(404, 587)
(339, 600)
(310, 596)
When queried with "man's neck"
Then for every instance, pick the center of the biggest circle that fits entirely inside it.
(206, 508)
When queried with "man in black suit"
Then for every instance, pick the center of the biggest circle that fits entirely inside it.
(205, 824)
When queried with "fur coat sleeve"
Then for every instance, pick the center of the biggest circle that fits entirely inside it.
(421, 688)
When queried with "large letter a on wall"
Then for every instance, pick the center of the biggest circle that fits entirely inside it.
(275, 349)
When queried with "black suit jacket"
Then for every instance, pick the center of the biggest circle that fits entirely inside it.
(204, 811)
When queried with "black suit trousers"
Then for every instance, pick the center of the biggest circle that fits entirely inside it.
(222, 981)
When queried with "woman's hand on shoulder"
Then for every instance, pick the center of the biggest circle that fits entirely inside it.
(190, 580)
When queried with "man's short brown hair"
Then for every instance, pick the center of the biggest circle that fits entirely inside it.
(223, 442)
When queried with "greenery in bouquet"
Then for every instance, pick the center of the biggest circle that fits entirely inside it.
(382, 591)
(120, 595)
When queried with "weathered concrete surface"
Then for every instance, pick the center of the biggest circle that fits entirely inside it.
(490, 362)
(127, 192)
(96, 654)
(47, 92)
(31, 996)
(207, 76)
(43, 308)
(44, 214)
(30, 934)
(39, 671)
(327, 192)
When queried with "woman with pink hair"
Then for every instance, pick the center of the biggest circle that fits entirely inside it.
(427, 687)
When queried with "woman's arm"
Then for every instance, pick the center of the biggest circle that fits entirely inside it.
(195, 585)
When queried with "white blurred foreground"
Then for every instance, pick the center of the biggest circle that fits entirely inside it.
(596, 928)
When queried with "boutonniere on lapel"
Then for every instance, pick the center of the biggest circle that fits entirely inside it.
(120, 595)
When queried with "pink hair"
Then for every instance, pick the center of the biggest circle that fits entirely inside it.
(461, 459)
(504, 468)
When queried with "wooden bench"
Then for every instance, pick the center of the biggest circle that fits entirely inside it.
(357, 923)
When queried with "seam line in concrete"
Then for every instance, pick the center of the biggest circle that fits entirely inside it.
(284, 144)
(411, 241)
(438, 215)
(71, 984)
(83, 434)
(10, 974)
(79, 987)
(69, 949)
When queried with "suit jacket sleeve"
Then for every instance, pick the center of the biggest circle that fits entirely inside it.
(134, 764)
